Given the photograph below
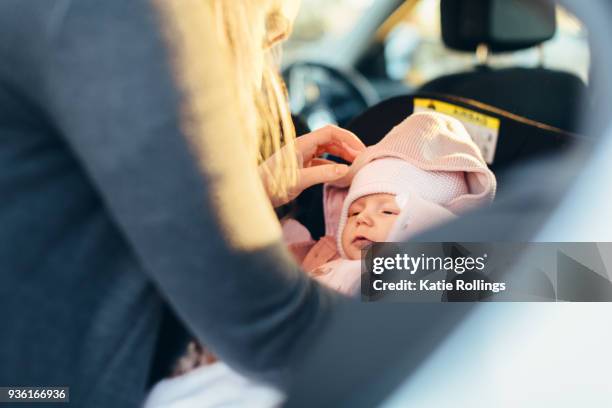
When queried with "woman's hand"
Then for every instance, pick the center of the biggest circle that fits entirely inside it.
(314, 170)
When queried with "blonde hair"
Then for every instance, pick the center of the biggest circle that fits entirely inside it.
(234, 113)
(263, 99)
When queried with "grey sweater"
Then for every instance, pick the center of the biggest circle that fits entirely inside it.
(106, 223)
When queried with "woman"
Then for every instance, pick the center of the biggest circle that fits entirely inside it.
(130, 139)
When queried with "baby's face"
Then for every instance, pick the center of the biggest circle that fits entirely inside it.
(369, 220)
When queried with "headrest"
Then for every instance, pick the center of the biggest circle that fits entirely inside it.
(503, 25)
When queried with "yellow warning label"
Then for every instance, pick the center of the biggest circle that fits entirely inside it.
(458, 112)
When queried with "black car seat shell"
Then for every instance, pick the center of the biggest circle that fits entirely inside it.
(548, 96)
(519, 140)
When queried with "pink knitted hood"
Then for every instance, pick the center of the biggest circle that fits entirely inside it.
(436, 142)
(429, 141)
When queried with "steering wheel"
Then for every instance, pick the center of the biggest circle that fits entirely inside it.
(322, 94)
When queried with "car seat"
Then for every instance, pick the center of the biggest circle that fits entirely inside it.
(514, 140)
(545, 95)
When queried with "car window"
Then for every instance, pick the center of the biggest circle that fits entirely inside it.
(414, 51)
(320, 21)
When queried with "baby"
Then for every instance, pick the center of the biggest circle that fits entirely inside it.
(424, 172)
(369, 220)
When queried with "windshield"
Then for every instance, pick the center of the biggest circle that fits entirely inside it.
(412, 43)
(323, 21)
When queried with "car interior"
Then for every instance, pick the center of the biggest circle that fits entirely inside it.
(541, 94)
(536, 109)
(542, 140)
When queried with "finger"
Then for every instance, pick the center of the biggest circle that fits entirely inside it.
(333, 133)
(318, 162)
(330, 139)
(321, 174)
(339, 142)
(344, 151)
